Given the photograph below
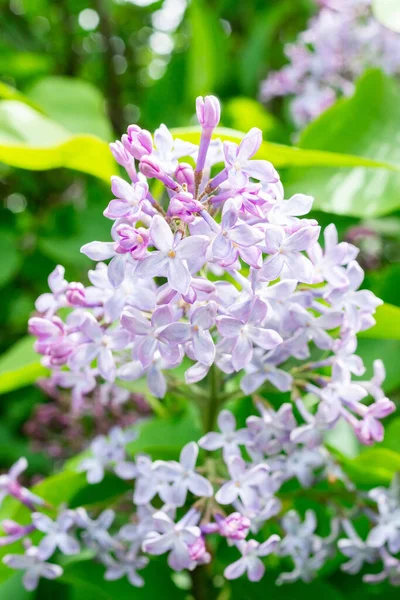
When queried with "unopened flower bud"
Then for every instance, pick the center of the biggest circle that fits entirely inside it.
(137, 141)
(185, 176)
(75, 294)
(208, 111)
(150, 168)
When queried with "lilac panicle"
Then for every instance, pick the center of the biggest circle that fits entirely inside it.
(221, 271)
(340, 43)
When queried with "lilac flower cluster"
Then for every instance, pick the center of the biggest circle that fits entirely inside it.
(223, 271)
(341, 42)
(180, 508)
(61, 433)
(220, 271)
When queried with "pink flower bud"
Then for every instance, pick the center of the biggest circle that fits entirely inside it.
(137, 141)
(150, 168)
(185, 175)
(132, 240)
(184, 206)
(234, 527)
(75, 294)
(198, 551)
(120, 154)
(208, 111)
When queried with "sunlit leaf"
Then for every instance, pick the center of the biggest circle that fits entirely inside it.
(74, 103)
(387, 325)
(30, 140)
(21, 123)
(7, 92)
(374, 466)
(241, 113)
(84, 153)
(287, 156)
(20, 366)
(365, 125)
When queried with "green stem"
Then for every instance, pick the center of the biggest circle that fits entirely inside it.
(213, 400)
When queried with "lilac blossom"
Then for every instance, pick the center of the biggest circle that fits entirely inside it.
(129, 200)
(285, 256)
(236, 239)
(244, 328)
(183, 476)
(57, 534)
(109, 453)
(95, 534)
(197, 332)
(171, 255)
(229, 439)
(100, 345)
(175, 538)
(126, 565)
(34, 566)
(238, 166)
(243, 482)
(250, 562)
(9, 486)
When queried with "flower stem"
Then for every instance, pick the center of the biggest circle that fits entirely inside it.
(213, 400)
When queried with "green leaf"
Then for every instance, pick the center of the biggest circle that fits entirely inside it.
(362, 126)
(87, 581)
(373, 467)
(392, 435)
(10, 257)
(20, 366)
(7, 92)
(240, 113)
(74, 103)
(165, 438)
(289, 156)
(84, 153)
(30, 140)
(22, 123)
(241, 589)
(14, 590)
(388, 351)
(387, 325)
(388, 13)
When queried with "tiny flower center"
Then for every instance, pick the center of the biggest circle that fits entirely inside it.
(139, 239)
(172, 253)
(105, 341)
(195, 328)
(237, 165)
(237, 484)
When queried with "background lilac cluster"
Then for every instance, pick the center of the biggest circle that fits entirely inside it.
(341, 42)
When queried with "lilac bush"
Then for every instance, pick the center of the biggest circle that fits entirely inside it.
(221, 276)
(341, 42)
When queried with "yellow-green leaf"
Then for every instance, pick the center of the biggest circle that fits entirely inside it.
(287, 156)
(387, 325)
